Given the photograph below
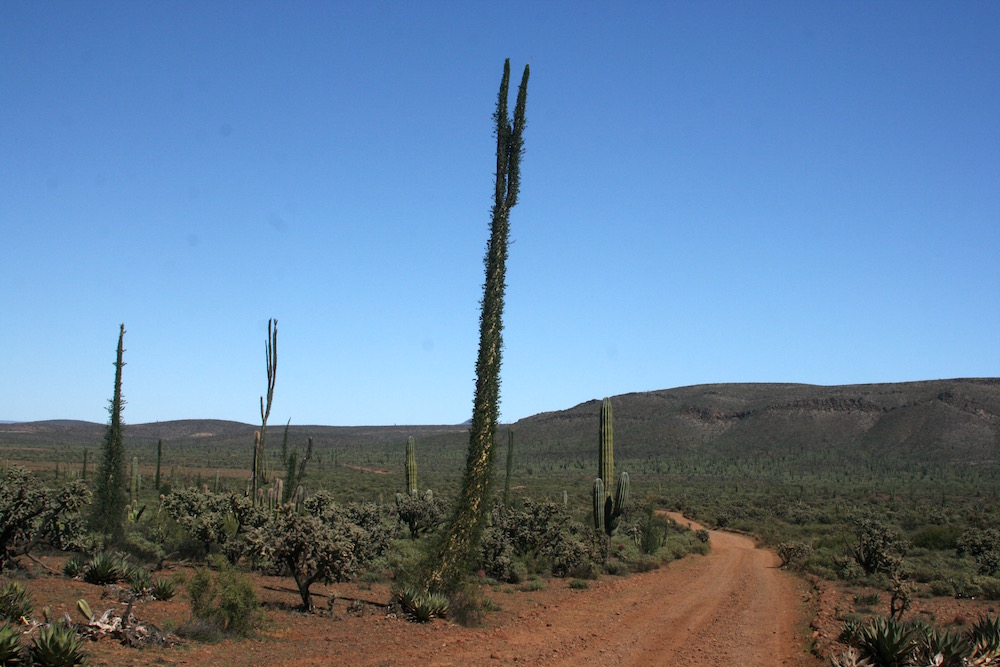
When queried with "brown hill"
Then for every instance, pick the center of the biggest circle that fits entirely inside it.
(937, 421)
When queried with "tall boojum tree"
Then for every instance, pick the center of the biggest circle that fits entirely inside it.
(111, 489)
(462, 537)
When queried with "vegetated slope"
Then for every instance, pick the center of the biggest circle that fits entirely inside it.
(930, 422)
(938, 421)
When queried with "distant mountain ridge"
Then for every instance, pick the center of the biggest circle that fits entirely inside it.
(935, 421)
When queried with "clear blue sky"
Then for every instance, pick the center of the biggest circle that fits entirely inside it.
(712, 192)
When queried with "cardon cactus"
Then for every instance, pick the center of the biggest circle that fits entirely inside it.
(411, 467)
(608, 506)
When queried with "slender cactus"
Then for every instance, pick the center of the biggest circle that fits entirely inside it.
(461, 539)
(133, 488)
(260, 447)
(159, 457)
(83, 472)
(510, 467)
(411, 467)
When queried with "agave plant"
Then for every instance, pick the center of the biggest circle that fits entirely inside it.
(57, 645)
(11, 653)
(75, 566)
(984, 636)
(849, 658)
(138, 579)
(15, 602)
(103, 568)
(162, 589)
(938, 648)
(887, 642)
(423, 606)
(850, 632)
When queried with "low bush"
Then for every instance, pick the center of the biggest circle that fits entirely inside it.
(228, 601)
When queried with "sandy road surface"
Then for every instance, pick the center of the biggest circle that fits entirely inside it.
(731, 607)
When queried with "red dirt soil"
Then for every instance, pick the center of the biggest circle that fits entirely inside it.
(733, 606)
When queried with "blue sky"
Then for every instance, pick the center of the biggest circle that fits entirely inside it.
(711, 192)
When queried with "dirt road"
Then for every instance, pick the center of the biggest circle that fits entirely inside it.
(731, 607)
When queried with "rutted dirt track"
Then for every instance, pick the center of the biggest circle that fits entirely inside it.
(731, 607)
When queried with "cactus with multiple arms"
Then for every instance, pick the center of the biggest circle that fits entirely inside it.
(607, 509)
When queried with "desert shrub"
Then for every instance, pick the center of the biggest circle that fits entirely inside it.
(867, 599)
(11, 652)
(202, 514)
(226, 602)
(616, 568)
(468, 606)
(983, 545)
(375, 536)
(533, 584)
(645, 563)
(15, 601)
(793, 554)
(311, 549)
(421, 514)
(579, 584)
(32, 514)
(702, 535)
(876, 548)
(936, 537)
(57, 645)
(540, 533)
(989, 587)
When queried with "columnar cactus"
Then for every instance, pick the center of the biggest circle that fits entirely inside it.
(411, 467)
(607, 509)
(134, 481)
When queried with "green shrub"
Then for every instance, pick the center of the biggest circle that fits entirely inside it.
(794, 554)
(989, 587)
(936, 537)
(227, 601)
(867, 599)
(579, 584)
(57, 645)
(15, 602)
(645, 563)
(984, 547)
(616, 568)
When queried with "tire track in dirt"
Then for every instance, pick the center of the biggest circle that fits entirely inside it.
(733, 606)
